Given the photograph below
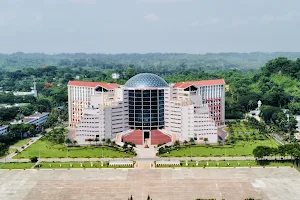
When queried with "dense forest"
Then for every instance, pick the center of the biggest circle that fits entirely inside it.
(276, 84)
(158, 62)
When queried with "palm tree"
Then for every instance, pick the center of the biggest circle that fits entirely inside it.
(108, 141)
(68, 141)
(205, 140)
(176, 143)
(247, 137)
(192, 141)
(90, 140)
(96, 140)
(125, 145)
(219, 142)
(74, 142)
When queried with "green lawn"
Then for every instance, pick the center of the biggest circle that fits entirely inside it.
(16, 165)
(232, 163)
(46, 165)
(21, 142)
(45, 149)
(241, 148)
(242, 127)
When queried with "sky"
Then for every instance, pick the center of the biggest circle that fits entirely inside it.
(148, 26)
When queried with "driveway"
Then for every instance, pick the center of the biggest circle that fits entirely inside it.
(11, 155)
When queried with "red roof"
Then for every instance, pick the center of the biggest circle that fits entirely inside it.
(107, 86)
(199, 83)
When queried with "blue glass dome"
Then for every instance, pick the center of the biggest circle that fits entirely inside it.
(146, 80)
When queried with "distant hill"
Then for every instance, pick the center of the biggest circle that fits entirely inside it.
(158, 61)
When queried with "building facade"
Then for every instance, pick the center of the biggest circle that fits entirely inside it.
(146, 108)
(3, 130)
(37, 119)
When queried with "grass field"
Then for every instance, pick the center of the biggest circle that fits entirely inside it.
(232, 163)
(241, 127)
(21, 142)
(46, 165)
(241, 148)
(45, 149)
(16, 165)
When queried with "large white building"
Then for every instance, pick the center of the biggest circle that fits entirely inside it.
(147, 110)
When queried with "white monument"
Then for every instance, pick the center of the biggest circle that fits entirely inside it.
(259, 103)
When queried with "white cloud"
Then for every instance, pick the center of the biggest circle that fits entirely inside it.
(151, 17)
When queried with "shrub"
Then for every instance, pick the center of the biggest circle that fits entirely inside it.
(34, 159)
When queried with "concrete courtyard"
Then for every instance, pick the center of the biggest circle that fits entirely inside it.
(160, 184)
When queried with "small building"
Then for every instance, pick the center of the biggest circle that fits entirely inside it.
(33, 92)
(3, 130)
(36, 119)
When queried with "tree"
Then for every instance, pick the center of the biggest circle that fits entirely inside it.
(185, 142)
(219, 142)
(108, 141)
(68, 141)
(75, 142)
(113, 143)
(192, 141)
(19, 129)
(205, 140)
(56, 136)
(34, 159)
(125, 145)
(176, 143)
(90, 140)
(262, 151)
(96, 140)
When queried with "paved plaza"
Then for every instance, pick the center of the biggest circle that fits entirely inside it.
(160, 184)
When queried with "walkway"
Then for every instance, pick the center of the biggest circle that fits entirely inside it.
(149, 160)
(9, 157)
(160, 184)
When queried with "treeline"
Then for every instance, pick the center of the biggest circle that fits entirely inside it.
(284, 66)
(291, 150)
(15, 133)
(9, 98)
(168, 62)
